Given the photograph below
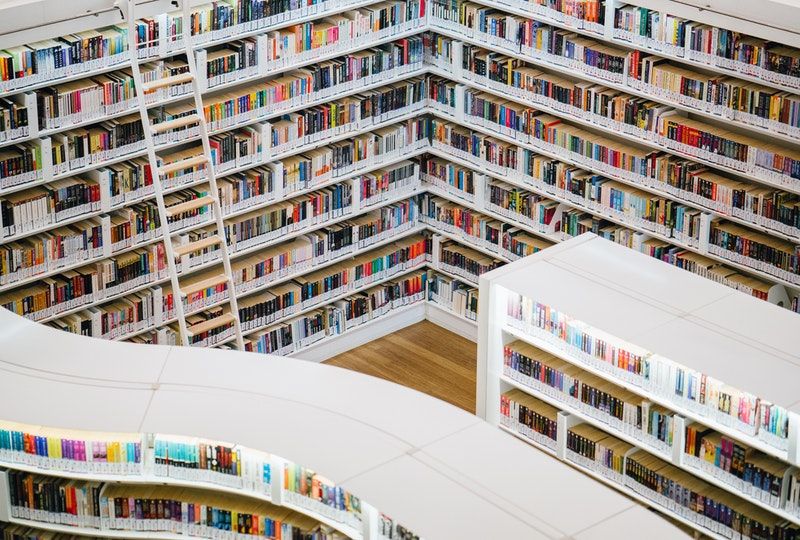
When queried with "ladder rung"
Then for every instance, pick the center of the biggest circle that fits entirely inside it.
(205, 326)
(188, 206)
(176, 123)
(167, 81)
(182, 164)
(207, 283)
(185, 249)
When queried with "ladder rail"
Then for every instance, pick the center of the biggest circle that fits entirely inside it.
(211, 173)
(166, 236)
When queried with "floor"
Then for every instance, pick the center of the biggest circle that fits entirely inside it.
(423, 356)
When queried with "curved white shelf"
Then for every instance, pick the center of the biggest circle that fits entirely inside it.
(400, 432)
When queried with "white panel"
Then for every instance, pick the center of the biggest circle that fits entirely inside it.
(540, 486)
(635, 522)
(729, 360)
(758, 322)
(108, 360)
(436, 507)
(636, 272)
(424, 418)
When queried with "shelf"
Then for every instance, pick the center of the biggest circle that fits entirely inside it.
(749, 440)
(305, 148)
(143, 478)
(513, 7)
(763, 275)
(267, 24)
(442, 26)
(488, 87)
(265, 116)
(260, 288)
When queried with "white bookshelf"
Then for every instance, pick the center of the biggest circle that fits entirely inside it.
(670, 316)
(364, 447)
(739, 18)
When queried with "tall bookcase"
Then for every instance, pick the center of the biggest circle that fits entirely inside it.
(675, 390)
(454, 129)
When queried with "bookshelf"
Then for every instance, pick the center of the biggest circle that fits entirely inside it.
(364, 448)
(663, 382)
(267, 97)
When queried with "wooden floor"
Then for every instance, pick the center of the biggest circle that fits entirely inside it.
(423, 356)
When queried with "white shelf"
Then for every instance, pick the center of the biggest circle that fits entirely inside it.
(488, 88)
(736, 434)
(761, 274)
(457, 31)
(646, 297)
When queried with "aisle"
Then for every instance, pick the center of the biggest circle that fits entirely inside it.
(425, 357)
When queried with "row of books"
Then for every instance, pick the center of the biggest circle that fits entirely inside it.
(453, 295)
(308, 40)
(590, 395)
(544, 173)
(69, 450)
(312, 124)
(391, 530)
(138, 223)
(46, 60)
(569, 52)
(14, 118)
(312, 485)
(294, 89)
(676, 384)
(257, 227)
(100, 96)
(40, 62)
(640, 209)
(82, 150)
(778, 260)
(296, 334)
(708, 45)
(665, 128)
(187, 511)
(773, 208)
(285, 263)
(665, 33)
(608, 456)
(741, 467)
(213, 23)
(77, 102)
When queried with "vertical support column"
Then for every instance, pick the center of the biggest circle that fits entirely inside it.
(608, 32)
(794, 436)
(457, 58)
(491, 314)
(5, 498)
(277, 176)
(276, 465)
(481, 184)
(678, 435)
(46, 149)
(460, 102)
(201, 59)
(356, 191)
(705, 231)
(435, 249)
(32, 108)
(370, 522)
(564, 421)
(105, 225)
